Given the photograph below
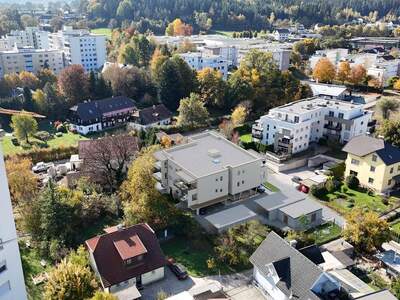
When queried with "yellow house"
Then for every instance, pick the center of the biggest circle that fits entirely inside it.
(375, 162)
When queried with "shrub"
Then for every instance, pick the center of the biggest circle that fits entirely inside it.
(61, 128)
(338, 171)
(15, 141)
(318, 192)
(385, 200)
(352, 182)
(46, 154)
(43, 135)
(331, 185)
(345, 189)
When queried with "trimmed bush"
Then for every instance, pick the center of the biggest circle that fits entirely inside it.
(43, 135)
(331, 185)
(352, 182)
(318, 192)
(46, 154)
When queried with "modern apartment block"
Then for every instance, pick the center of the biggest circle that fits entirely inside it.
(208, 170)
(80, 47)
(229, 53)
(12, 284)
(291, 127)
(31, 60)
(199, 61)
(30, 37)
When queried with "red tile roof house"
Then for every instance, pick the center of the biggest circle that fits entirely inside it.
(125, 259)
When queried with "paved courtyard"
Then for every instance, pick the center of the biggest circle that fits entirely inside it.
(238, 286)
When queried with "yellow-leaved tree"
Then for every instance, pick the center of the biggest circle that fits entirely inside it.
(344, 71)
(324, 70)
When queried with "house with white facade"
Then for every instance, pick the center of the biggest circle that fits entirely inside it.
(149, 117)
(80, 47)
(282, 272)
(126, 259)
(98, 115)
(12, 284)
(281, 34)
(293, 126)
(209, 169)
(199, 61)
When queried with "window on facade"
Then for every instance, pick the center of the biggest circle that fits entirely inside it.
(389, 181)
(238, 183)
(340, 116)
(355, 162)
(331, 113)
(221, 178)
(391, 170)
(296, 119)
(372, 169)
(370, 180)
(216, 190)
(313, 217)
(194, 197)
(374, 157)
(3, 266)
(353, 173)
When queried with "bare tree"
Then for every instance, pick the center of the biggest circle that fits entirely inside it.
(105, 160)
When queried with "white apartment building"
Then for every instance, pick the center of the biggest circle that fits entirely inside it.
(228, 53)
(31, 60)
(199, 61)
(30, 37)
(80, 47)
(12, 284)
(208, 170)
(291, 127)
(334, 56)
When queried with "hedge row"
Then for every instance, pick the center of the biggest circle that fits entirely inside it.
(47, 154)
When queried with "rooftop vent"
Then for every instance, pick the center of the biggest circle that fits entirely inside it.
(214, 153)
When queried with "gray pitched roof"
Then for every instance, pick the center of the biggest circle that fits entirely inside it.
(154, 114)
(363, 145)
(303, 272)
(380, 295)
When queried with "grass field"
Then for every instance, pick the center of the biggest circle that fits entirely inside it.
(105, 31)
(271, 187)
(222, 32)
(326, 233)
(246, 138)
(32, 267)
(340, 201)
(67, 139)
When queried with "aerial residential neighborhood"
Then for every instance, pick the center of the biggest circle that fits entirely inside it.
(199, 150)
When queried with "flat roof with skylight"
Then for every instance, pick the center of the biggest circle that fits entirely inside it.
(208, 153)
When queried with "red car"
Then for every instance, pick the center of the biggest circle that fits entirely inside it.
(176, 268)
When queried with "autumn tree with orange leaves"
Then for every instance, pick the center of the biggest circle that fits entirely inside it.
(178, 28)
(324, 71)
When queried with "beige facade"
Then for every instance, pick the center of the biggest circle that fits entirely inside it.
(31, 60)
(209, 169)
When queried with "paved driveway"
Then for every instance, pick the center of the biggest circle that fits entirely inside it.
(284, 183)
(238, 286)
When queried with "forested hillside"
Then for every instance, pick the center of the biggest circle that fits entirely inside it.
(235, 14)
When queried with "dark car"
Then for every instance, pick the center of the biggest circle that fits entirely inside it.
(176, 268)
(296, 179)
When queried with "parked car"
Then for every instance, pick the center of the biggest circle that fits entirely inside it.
(176, 268)
(261, 189)
(41, 167)
(321, 172)
(296, 179)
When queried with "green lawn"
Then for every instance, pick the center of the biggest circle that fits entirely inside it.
(396, 226)
(271, 187)
(340, 201)
(246, 138)
(105, 31)
(222, 32)
(193, 255)
(67, 139)
(325, 233)
(32, 267)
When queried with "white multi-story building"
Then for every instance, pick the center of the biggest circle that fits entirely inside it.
(334, 56)
(281, 34)
(12, 284)
(199, 61)
(30, 37)
(291, 127)
(31, 60)
(80, 47)
(208, 170)
(229, 53)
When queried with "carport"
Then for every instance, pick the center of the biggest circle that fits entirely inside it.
(227, 218)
